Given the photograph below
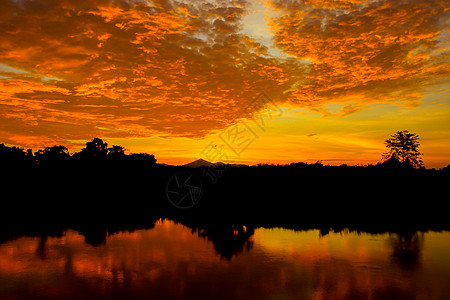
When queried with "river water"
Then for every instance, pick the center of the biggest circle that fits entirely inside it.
(173, 261)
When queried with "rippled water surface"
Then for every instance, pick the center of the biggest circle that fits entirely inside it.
(172, 261)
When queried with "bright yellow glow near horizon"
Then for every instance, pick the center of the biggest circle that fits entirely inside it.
(172, 77)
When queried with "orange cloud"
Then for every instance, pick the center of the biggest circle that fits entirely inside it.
(136, 69)
(372, 50)
(120, 69)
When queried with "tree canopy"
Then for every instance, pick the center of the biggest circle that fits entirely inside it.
(403, 150)
(54, 153)
(95, 151)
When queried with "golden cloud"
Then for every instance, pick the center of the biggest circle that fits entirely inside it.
(366, 51)
(183, 68)
(135, 68)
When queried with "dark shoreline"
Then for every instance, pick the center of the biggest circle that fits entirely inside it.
(110, 197)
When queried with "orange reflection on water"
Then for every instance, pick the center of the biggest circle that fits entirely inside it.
(171, 261)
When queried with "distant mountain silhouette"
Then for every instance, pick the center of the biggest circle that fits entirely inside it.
(204, 163)
(201, 163)
(164, 165)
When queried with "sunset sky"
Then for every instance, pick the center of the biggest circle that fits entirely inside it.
(244, 81)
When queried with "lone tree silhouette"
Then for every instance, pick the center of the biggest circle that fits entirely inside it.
(403, 149)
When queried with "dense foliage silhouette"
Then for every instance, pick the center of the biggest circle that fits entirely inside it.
(403, 150)
(103, 186)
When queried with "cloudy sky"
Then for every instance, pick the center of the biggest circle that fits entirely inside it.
(251, 81)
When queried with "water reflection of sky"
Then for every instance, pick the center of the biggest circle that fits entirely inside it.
(171, 261)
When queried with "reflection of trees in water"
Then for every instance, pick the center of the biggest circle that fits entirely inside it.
(228, 239)
(407, 248)
(95, 236)
(43, 234)
(40, 251)
(231, 239)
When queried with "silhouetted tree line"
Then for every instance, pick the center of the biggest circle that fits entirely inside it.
(402, 153)
(95, 151)
(102, 184)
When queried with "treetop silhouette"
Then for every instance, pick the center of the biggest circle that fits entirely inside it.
(97, 149)
(403, 150)
(54, 153)
(116, 151)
